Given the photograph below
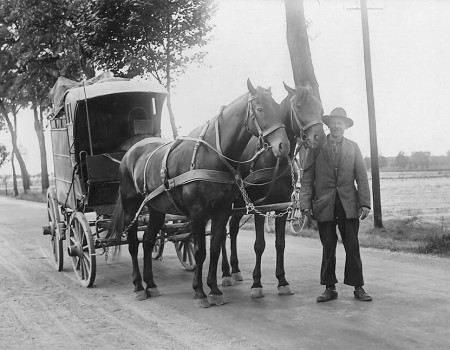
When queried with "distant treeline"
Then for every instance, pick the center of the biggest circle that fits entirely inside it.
(417, 160)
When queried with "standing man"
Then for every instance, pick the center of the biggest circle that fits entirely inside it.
(335, 191)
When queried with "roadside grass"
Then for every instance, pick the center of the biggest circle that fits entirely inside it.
(411, 234)
(32, 195)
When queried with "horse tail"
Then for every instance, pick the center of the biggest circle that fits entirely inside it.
(116, 225)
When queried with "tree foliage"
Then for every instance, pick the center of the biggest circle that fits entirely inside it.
(138, 37)
(3, 154)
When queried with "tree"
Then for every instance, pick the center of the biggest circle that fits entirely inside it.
(3, 154)
(44, 48)
(139, 38)
(420, 160)
(298, 43)
(401, 160)
(382, 161)
(10, 68)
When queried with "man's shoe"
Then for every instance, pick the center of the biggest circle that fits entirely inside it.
(361, 294)
(329, 294)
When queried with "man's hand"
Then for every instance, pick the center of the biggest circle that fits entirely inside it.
(363, 212)
(308, 213)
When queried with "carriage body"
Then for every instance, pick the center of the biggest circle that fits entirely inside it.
(91, 131)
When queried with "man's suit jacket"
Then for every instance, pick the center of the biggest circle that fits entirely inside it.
(321, 181)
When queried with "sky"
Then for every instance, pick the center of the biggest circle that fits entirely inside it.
(409, 41)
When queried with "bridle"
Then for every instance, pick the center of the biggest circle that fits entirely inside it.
(262, 134)
(302, 128)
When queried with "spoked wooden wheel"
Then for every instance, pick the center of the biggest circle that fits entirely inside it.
(81, 249)
(298, 221)
(185, 252)
(158, 248)
(55, 229)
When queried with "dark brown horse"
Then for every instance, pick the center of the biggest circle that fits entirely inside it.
(194, 176)
(273, 183)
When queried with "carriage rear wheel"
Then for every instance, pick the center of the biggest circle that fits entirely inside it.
(54, 220)
(185, 252)
(81, 249)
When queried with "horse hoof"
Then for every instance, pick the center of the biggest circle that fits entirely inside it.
(227, 281)
(285, 290)
(153, 292)
(202, 303)
(257, 293)
(141, 295)
(237, 276)
(216, 299)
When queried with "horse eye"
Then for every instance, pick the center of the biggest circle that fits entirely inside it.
(259, 109)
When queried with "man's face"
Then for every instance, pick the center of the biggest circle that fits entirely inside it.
(337, 127)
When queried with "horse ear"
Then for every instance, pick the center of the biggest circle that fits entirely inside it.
(290, 90)
(250, 87)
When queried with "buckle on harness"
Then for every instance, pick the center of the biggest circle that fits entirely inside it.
(169, 184)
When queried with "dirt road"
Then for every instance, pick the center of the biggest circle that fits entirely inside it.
(41, 308)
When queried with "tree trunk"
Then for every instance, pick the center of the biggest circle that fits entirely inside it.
(298, 43)
(16, 190)
(172, 117)
(12, 129)
(39, 127)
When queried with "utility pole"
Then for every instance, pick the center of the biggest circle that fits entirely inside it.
(375, 168)
(378, 221)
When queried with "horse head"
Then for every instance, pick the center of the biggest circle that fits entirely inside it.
(264, 120)
(305, 116)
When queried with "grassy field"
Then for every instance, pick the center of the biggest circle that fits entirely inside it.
(415, 208)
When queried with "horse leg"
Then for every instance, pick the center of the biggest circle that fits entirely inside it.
(234, 230)
(133, 246)
(218, 235)
(280, 243)
(227, 280)
(154, 225)
(260, 245)
(198, 231)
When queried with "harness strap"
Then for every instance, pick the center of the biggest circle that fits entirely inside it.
(197, 144)
(265, 174)
(191, 176)
(295, 117)
(111, 158)
(251, 114)
(146, 164)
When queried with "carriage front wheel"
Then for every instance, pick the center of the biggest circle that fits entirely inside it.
(81, 249)
(185, 252)
(54, 221)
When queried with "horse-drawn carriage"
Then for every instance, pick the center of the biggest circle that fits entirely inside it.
(96, 203)
(92, 126)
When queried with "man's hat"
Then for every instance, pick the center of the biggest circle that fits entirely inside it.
(338, 113)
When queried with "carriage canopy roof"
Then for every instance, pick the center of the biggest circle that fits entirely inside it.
(66, 90)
